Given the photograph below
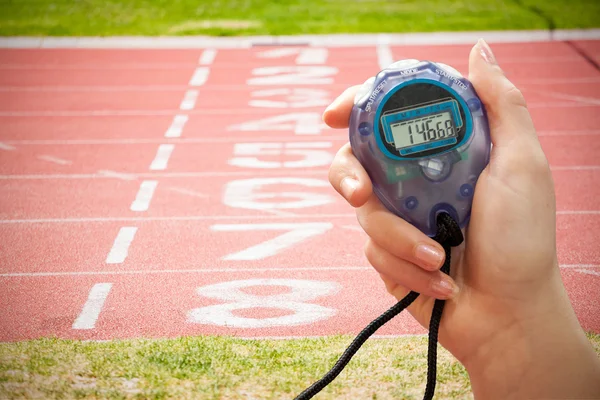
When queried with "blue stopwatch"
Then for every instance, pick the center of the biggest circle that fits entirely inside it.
(422, 134)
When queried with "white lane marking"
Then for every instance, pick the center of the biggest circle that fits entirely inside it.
(565, 96)
(188, 102)
(200, 76)
(575, 167)
(105, 173)
(210, 218)
(4, 146)
(234, 139)
(179, 271)
(162, 157)
(292, 337)
(188, 192)
(144, 196)
(207, 57)
(93, 306)
(350, 40)
(580, 265)
(384, 52)
(55, 160)
(176, 126)
(206, 270)
(176, 218)
(120, 249)
(123, 176)
(588, 272)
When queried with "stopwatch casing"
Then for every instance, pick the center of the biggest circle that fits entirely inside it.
(421, 133)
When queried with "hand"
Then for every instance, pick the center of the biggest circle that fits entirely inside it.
(507, 318)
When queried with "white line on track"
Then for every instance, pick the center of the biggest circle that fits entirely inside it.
(384, 52)
(214, 270)
(104, 174)
(237, 88)
(93, 306)
(588, 272)
(144, 196)
(55, 160)
(188, 192)
(232, 139)
(335, 40)
(309, 56)
(176, 126)
(161, 159)
(188, 102)
(207, 57)
(120, 249)
(4, 146)
(190, 218)
(200, 76)
(178, 271)
(132, 176)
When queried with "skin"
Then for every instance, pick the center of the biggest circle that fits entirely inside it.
(507, 318)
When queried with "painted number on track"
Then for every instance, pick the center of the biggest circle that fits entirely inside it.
(302, 291)
(295, 233)
(293, 75)
(247, 194)
(310, 154)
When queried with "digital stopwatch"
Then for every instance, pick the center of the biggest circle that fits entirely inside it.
(421, 132)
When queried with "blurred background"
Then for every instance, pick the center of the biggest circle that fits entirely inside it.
(258, 17)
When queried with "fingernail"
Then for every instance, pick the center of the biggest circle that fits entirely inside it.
(348, 186)
(430, 256)
(486, 52)
(445, 287)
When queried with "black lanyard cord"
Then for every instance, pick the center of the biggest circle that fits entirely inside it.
(448, 235)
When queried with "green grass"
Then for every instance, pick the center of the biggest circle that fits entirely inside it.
(224, 368)
(243, 17)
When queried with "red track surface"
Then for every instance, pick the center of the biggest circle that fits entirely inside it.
(115, 217)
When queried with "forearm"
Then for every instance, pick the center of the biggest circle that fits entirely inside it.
(545, 356)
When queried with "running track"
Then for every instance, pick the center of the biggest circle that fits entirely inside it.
(161, 193)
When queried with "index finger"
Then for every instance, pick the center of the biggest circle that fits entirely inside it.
(337, 114)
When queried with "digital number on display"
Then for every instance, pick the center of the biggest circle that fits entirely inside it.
(422, 130)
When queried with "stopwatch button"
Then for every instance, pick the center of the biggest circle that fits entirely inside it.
(364, 129)
(434, 168)
(474, 104)
(411, 203)
(403, 64)
(364, 90)
(466, 190)
(449, 69)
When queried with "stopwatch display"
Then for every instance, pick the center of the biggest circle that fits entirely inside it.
(422, 134)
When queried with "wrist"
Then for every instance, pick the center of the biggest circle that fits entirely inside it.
(542, 353)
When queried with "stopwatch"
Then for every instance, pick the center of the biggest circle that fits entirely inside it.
(421, 133)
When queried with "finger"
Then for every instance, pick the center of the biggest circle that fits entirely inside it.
(337, 114)
(398, 237)
(420, 309)
(435, 284)
(349, 178)
(507, 110)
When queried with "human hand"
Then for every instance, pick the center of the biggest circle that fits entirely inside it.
(507, 317)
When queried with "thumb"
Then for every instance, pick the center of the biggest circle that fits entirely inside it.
(508, 116)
